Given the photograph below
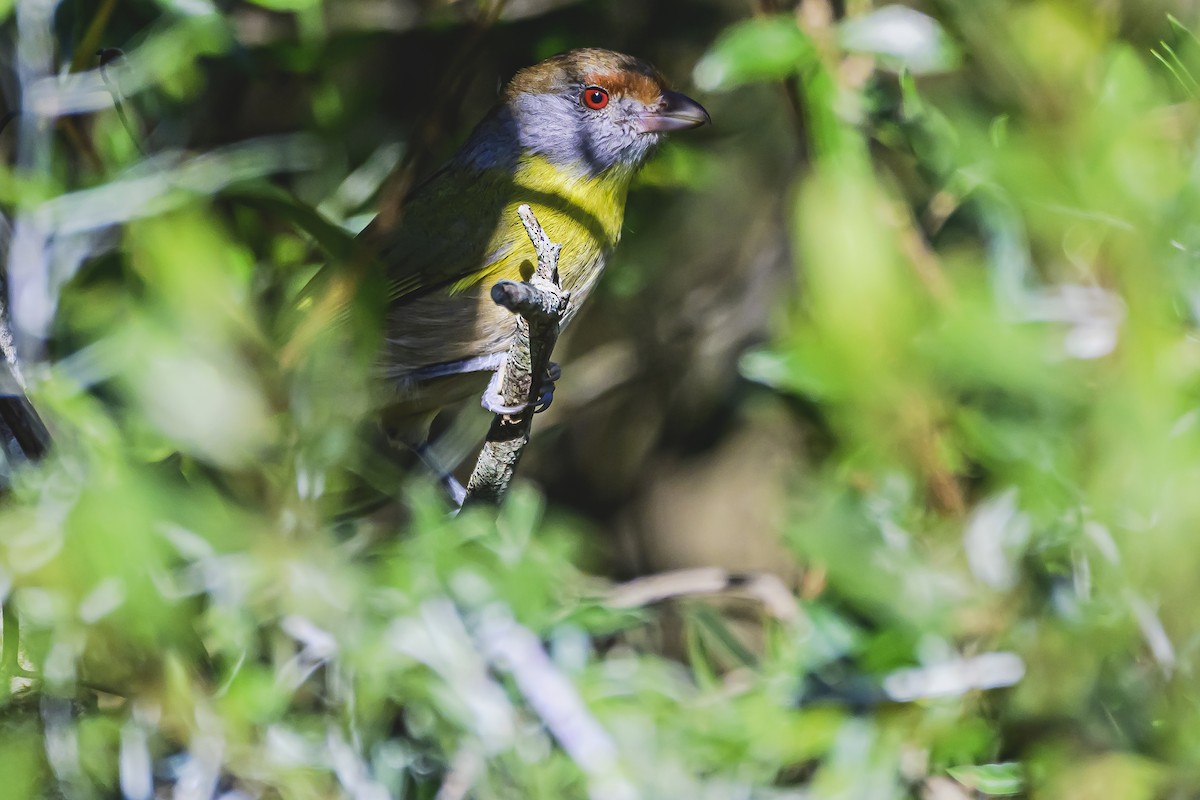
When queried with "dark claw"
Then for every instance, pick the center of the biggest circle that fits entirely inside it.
(553, 373)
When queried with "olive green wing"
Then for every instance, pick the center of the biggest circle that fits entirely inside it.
(452, 233)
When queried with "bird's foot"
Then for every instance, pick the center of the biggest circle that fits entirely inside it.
(553, 373)
(493, 401)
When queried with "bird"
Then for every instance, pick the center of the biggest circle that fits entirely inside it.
(566, 137)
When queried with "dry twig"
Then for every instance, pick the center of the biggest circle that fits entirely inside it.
(540, 304)
(768, 589)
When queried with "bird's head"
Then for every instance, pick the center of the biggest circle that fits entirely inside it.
(594, 110)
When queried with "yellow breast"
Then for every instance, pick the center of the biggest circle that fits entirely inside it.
(581, 213)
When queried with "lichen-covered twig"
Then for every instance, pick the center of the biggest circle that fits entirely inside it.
(539, 304)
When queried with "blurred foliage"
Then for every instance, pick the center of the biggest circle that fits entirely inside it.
(889, 402)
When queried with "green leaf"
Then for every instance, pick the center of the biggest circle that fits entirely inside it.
(330, 237)
(903, 38)
(760, 49)
(287, 5)
(994, 780)
(714, 629)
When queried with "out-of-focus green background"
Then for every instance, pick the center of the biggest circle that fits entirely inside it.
(874, 471)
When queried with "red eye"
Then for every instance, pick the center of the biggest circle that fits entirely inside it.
(595, 98)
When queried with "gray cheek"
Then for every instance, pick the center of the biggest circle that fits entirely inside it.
(552, 126)
(609, 137)
(620, 140)
(561, 130)
(636, 147)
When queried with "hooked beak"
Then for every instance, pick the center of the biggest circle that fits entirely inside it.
(678, 113)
